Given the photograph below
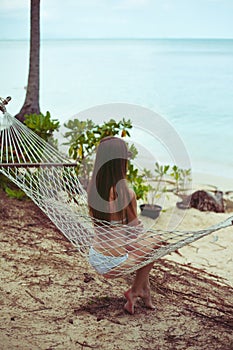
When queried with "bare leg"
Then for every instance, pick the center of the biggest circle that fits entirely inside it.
(140, 288)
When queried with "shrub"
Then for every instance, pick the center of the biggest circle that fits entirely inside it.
(43, 126)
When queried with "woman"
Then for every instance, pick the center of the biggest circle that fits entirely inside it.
(112, 202)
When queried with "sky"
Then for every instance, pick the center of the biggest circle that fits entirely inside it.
(120, 19)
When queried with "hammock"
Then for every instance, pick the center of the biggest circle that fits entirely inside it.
(50, 180)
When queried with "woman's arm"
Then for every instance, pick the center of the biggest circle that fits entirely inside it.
(131, 210)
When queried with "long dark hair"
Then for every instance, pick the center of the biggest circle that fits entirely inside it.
(109, 174)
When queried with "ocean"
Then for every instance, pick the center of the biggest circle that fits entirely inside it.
(188, 83)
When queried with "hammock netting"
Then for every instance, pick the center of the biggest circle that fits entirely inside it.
(50, 180)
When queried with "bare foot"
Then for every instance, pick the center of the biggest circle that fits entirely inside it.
(146, 297)
(147, 300)
(131, 300)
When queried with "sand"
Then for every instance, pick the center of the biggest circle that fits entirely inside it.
(213, 253)
(52, 299)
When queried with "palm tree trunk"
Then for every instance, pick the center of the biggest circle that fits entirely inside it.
(31, 103)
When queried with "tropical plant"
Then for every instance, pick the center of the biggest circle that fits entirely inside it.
(137, 181)
(161, 172)
(181, 178)
(42, 125)
(84, 137)
(15, 193)
(162, 176)
(77, 127)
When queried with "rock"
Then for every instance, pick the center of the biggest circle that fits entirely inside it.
(203, 201)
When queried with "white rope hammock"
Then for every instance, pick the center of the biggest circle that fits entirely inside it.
(50, 180)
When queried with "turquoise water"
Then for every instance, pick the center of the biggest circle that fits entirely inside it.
(188, 82)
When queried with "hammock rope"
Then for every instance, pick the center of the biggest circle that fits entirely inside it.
(50, 180)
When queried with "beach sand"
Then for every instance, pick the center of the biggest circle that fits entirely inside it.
(213, 253)
(52, 299)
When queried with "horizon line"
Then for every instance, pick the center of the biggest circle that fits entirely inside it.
(121, 38)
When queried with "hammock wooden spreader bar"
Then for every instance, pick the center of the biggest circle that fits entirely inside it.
(50, 180)
(36, 165)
